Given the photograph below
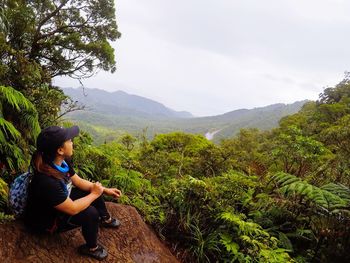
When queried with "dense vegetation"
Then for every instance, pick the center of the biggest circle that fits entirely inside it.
(262, 196)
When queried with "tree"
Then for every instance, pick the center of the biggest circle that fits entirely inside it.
(248, 151)
(173, 154)
(299, 154)
(338, 93)
(52, 104)
(40, 40)
(53, 38)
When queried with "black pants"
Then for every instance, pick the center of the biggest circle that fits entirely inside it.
(88, 219)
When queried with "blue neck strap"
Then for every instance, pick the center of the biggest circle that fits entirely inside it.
(63, 168)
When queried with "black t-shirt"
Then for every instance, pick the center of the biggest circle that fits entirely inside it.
(44, 193)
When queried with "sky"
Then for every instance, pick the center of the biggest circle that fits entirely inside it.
(211, 57)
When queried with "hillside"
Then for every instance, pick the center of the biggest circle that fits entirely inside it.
(117, 112)
(123, 104)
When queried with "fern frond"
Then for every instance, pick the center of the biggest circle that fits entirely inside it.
(285, 241)
(4, 217)
(197, 182)
(3, 188)
(15, 98)
(8, 131)
(338, 189)
(9, 97)
(230, 246)
(282, 178)
(328, 197)
(16, 135)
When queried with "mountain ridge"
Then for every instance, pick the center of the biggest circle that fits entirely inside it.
(133, 120)
(121, 102)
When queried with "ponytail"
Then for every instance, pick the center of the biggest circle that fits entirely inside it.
(40, 163)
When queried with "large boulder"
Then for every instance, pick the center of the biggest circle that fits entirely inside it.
(133, 241)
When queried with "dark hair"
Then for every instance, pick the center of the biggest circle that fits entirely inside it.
(48, 141)
(41, 164)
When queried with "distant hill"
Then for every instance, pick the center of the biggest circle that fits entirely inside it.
(123, 104)
(264, 118)
(116, 112)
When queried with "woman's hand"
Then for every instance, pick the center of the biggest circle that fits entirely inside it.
(97, 189)
(114, 192)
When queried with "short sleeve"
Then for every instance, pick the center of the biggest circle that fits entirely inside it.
(54, 193)
(71, 171)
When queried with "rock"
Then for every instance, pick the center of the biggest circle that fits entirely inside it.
(133, 241)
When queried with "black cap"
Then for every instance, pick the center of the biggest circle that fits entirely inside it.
(53, 137)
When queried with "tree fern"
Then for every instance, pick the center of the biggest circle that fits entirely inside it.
(18, 127)
(338, 189)
(328, 197)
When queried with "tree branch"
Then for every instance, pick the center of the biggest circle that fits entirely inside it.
(50, 16)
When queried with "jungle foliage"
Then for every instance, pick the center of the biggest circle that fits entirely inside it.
(261, 196)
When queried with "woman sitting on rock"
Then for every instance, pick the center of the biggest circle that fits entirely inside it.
(59, 200)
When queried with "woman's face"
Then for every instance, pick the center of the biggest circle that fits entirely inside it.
(67, 149)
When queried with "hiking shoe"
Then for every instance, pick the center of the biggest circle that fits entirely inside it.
(100, 253)
(111, 223)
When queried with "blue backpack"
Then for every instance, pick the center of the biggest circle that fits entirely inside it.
(19, 193)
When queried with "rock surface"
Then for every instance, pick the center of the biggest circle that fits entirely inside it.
(133, 241)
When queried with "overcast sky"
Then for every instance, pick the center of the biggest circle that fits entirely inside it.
(210, 57)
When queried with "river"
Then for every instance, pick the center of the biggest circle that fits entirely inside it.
(210, 135)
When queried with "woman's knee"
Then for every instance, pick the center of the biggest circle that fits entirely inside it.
(89, 215)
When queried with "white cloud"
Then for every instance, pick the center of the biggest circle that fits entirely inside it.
(210, 57)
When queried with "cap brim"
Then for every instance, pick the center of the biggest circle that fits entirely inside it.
(72, 132)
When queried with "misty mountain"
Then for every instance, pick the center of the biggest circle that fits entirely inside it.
(119, 112)
(122, 103)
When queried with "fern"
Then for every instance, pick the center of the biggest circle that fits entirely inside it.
(197, 182)
(87, 171)
(3, 193)
(4, 217)
(251, 239)
(229, 244)
(338, 189)
(14, 135)
(244, 227)
(284, 241)
(128, 181)
(328, 197)
(8, 131)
